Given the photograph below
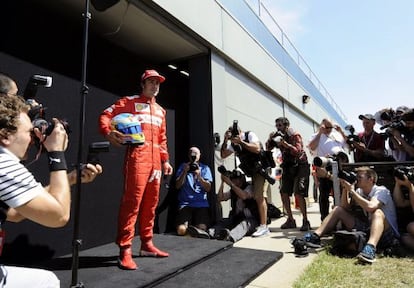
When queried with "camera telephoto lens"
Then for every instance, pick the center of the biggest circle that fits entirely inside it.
(349, 177)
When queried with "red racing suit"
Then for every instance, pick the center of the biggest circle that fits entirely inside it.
(142, 167)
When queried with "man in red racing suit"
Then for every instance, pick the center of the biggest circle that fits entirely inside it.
(142, 167)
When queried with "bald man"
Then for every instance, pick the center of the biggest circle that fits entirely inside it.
(193, 183)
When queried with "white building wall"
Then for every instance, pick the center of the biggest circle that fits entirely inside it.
(248, 84)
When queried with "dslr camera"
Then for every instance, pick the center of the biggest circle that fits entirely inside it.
(351, 138)
(37, 111)
(350, 177)
(193, 164)
(224, 171)
(401, 171)
(234, 133)
(276, 138)
(326, 162)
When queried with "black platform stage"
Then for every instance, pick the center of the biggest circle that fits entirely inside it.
(192, 263)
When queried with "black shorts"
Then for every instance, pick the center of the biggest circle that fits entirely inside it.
(193, 216)
(296, 180)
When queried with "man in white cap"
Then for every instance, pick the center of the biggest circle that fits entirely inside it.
(142, 167)
(328, 141)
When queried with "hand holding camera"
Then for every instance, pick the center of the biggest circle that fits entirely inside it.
(37, 113)
(57, 140)
(275, 139)
(193, 165)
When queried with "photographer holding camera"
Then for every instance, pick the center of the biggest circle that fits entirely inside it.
(244, 215)
(193, 182)
(296, 170)
(21, 196)
(371, 145)
(403, 184)
(247, 147)
(379, 219)
(327, 142)
(404, 140)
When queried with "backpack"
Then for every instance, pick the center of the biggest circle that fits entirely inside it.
(251, 163)
(273, 212)
(348, 243)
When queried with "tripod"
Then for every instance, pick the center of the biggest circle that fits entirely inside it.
(76, 242)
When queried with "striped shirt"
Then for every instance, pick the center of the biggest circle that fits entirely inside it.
(17, 184)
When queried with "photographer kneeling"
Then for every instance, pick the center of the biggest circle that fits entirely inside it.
(21, 196)
(193, 182)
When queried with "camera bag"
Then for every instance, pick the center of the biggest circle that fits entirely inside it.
(348, 243)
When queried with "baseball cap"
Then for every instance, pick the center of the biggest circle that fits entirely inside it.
(152, 73)
(366, 116)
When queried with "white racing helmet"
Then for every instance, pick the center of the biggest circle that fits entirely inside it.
(129, 125)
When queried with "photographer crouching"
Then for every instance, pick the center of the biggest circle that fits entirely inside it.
(193, 182)
(248, 148)
(296, 170)
(21, 196)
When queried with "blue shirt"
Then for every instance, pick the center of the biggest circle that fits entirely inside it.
(192, 193)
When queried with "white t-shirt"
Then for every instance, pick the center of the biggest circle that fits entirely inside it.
(329, 144)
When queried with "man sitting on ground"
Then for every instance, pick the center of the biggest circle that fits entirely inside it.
(376, 202)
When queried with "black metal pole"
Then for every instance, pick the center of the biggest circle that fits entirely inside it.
(77, 197)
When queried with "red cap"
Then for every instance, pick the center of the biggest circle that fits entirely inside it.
(152, 73)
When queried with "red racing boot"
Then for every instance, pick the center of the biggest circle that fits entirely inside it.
(125, 259)
(148, 249)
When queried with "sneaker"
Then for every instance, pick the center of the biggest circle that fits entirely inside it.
(305, 226)
(197, 232)
(125, 259)
(261, 230)
(290, 223)
(312, 240)
(149, 250)
(367, 255)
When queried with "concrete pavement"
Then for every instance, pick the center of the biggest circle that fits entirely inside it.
(285, 271)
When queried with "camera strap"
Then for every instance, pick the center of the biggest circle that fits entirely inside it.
(38, 153)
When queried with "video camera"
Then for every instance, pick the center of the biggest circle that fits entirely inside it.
(392, 120)
(401, 171)
(94, 149)
(37, 111)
